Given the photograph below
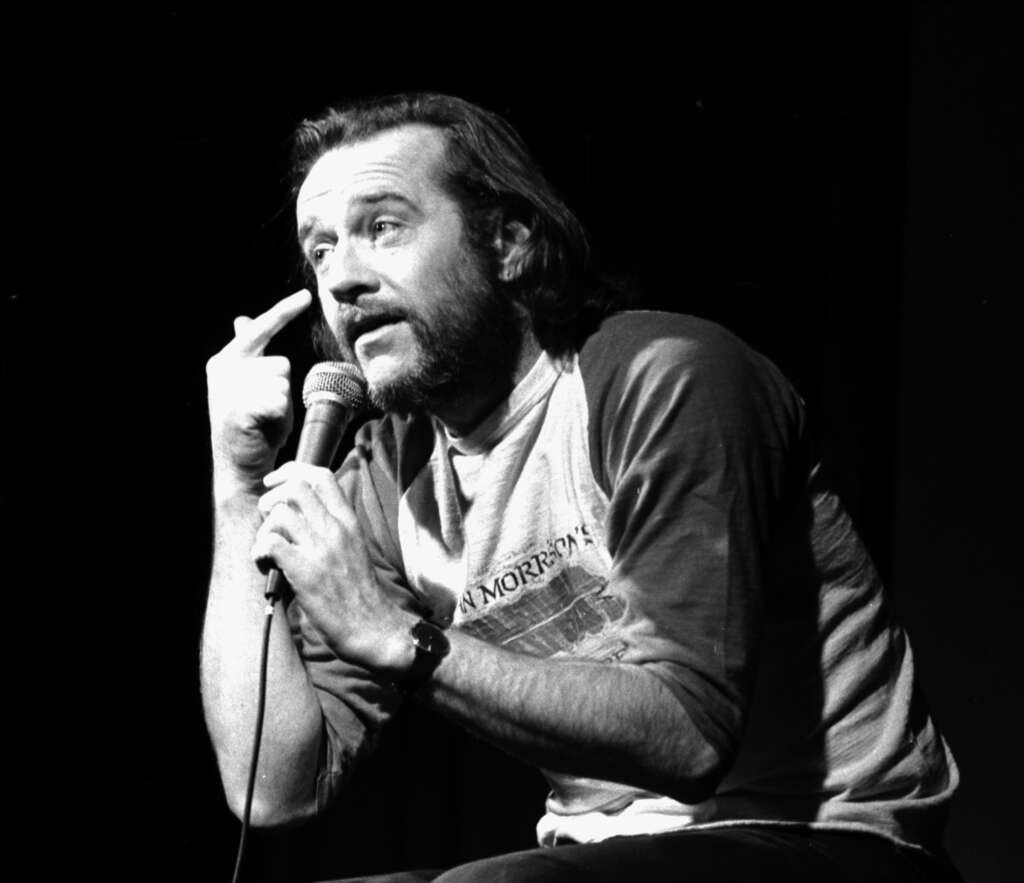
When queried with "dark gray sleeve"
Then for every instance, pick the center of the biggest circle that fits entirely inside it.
(691, 436)
(355, 702)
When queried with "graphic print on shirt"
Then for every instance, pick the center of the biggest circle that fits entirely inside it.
(548, 602)
(508, 529)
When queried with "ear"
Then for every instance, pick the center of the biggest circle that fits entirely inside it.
(513, 242)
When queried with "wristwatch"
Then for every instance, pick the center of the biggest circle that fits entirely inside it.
(432, 646)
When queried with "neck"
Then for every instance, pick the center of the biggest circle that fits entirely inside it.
(462, 412)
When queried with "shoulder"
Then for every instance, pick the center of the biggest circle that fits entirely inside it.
(667, 377)
(387, 454)
(638, 328)
(390, 450)
(639, 353)
(650, 340)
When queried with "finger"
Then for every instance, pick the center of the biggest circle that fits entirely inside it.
(293, 470)
(323, 481)
(253, 336)
(285, 522)
(329, 491)
(273, 366)
(280, 495)
(272, 550)
(260, 393)
(294, 502)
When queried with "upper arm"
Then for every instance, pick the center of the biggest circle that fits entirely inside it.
(690, 433)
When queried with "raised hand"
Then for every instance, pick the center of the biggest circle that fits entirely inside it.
(250, 395)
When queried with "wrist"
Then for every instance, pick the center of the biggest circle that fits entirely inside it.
(419, 648)
(430, 647)
(229, 482)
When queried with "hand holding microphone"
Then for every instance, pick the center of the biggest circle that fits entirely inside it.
(311, 534)
(333, 393)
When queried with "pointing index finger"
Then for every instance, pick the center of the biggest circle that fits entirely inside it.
(252, 338)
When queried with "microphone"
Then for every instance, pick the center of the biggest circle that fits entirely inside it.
(333, 393)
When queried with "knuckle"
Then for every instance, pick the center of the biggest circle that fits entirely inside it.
(338, 531)
(300, 473)
(276, 516)
(321, 476)
(346, 518)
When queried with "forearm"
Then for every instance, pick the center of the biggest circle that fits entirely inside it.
(231, 644)
(597, 720)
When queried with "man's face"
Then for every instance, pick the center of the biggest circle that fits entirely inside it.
(404, 294)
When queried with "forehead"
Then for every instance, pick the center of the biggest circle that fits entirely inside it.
(406, 158)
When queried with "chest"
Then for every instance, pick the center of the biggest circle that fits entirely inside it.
(510, 541)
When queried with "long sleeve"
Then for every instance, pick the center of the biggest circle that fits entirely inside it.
(691, 436)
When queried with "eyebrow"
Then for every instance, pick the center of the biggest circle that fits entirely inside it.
(374, 197)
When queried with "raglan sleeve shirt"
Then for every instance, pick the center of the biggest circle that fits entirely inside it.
(689, 437)
(681, 456)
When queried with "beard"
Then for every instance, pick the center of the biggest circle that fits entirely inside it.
(469, 342)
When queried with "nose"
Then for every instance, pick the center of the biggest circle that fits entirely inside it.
(348, 274)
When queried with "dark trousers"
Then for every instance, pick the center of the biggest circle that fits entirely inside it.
(722, 855)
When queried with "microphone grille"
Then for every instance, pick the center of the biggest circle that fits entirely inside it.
(340, 382)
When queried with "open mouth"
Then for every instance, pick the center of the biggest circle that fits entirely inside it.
(366, 323)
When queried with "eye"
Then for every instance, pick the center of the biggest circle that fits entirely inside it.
(383, 228)
(319, 253)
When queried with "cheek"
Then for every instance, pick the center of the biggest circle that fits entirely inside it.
(324, 331)
(425, 269)
(328, 305)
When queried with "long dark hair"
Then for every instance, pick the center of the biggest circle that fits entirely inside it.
(489, 172)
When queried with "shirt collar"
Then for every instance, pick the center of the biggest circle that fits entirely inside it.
(495, 426)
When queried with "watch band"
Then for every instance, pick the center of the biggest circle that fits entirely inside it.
(431, 644)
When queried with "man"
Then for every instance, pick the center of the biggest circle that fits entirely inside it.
(601, 542)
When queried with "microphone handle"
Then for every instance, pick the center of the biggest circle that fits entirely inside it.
(272, 591)
(321, 434)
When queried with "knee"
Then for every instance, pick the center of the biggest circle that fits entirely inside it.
(534, 866)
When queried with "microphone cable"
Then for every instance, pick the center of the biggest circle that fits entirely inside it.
(261, 704)
(332, 393)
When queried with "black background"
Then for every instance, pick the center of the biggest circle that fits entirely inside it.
(841, 188)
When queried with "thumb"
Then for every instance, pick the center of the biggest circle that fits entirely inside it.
(240, 323)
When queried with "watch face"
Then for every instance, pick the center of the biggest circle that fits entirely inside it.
(430, 639)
